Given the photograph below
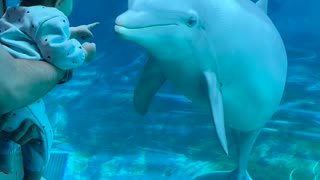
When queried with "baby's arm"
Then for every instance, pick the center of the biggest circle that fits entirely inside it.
(82, 31)
(53, 40)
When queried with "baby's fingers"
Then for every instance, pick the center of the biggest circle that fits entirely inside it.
(87, 35)
(92, 25)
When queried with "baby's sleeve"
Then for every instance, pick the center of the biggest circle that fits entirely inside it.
(53, 40)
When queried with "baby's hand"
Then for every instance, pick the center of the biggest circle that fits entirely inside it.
(82, 31)
(90, 49)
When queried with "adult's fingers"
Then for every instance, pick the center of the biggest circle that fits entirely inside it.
(21, 131)
(29, 136)
(3, 121)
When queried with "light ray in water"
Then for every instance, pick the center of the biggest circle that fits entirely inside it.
(301, 54)
(302, 134)
(174, 97)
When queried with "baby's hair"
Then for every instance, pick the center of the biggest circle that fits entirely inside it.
(50, 3)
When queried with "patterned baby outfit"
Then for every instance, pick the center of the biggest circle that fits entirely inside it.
(36, 33)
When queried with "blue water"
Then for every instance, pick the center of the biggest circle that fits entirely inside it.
(105, 138)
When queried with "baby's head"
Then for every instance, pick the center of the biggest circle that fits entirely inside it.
(63, 5)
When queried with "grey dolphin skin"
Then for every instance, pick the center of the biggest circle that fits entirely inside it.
(224, 55)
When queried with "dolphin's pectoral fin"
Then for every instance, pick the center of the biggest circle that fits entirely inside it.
(223, 175)
(216, 107)
(150, 82)
(263, 4)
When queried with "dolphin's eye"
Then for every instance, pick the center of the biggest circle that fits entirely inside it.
(192, 20)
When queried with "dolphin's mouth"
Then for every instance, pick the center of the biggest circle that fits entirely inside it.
(131, 30)
(139, 23)
(143, 27)
(139, 20)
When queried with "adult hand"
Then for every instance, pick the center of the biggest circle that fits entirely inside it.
(27, 132)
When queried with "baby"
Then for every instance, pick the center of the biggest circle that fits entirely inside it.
(39, 30)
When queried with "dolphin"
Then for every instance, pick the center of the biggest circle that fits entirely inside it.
(224, 55)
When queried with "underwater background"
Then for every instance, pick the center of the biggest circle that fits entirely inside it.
(100, 136)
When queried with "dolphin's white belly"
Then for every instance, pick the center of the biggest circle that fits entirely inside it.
(247, 104)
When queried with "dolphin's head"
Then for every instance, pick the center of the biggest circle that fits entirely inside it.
(164, 28)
